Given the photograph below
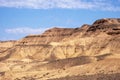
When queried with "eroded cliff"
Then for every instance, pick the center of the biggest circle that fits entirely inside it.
(102, 37)
(86, 53)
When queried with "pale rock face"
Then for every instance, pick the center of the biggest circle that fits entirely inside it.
(6, 45)
(90, 52)
(59, 43)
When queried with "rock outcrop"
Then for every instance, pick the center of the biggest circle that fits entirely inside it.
(4, 45)
(102, 37)
(51, 35)
(87, 52)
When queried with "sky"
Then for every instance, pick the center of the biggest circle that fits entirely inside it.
(19, 18)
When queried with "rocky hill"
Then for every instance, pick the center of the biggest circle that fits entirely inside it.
(61, 48)
(102, 37)
(51, 35)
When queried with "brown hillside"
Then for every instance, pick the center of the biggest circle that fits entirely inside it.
(89, 52)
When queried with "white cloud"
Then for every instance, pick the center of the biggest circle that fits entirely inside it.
(24, 30)
(45, 4)
(68, 4)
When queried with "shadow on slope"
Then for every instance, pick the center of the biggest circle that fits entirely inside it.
(6, 54)
(64, 63)
(115, 76)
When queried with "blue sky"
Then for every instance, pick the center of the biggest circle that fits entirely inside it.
(19, 18)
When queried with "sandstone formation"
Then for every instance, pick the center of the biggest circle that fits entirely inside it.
(6, 44)
(64, 53)
(102, 37)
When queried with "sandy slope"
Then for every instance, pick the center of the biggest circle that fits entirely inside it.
(66, 69)
(91, 52)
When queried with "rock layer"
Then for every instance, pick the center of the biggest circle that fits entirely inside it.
(102, 37)
(86, 53)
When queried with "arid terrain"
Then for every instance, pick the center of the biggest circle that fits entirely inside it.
(89, 52)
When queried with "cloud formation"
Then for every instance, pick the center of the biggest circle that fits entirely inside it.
(24, 30)
(65, 4)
